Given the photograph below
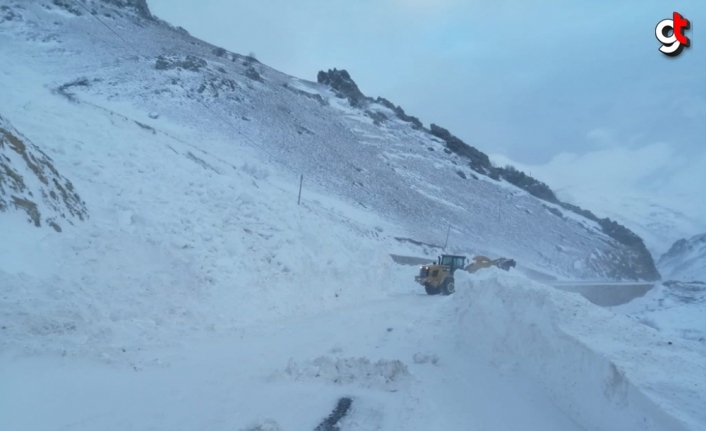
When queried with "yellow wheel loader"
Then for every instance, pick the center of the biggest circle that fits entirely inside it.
(438, 277)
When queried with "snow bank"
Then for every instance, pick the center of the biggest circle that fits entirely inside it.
(602, 369)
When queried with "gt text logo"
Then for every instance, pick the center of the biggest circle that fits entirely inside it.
(670, 32)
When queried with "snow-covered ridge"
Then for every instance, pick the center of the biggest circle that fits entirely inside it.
(600, 368)
(685, 260)
(30, 183)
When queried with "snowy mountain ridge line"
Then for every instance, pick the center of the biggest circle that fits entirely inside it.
(601, 368)
(685, 260)
(323, 141)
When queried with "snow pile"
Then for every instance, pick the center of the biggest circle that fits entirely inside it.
(425, 358)
(604, 371)
(675, 308)
(388, 375)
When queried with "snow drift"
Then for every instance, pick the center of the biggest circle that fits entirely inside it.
(600, 368)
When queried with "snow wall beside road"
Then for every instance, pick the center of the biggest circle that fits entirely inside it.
(605, 371)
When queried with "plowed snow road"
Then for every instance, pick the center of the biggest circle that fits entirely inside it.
(238, 381)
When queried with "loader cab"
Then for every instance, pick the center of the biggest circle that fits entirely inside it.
(452, 261)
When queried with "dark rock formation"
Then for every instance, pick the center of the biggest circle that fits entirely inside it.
(190, 62)
(478, 161)
(378, 117)
(400, 113)
(340, 81)
(532, 186)
(253, 74)
(139, 6)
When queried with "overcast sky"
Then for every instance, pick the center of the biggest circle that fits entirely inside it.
(528, 80)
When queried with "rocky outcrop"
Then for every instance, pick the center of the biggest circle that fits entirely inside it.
(139, 6)
(106, 7)
(399, 112)
(532, 186)
(340, 81)
(345, 87)
(478, 161)
(189, 62)
(30, 183)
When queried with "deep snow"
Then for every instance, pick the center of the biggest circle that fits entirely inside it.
(598, 366)
(286, 373)
(502, 353)
(198, 294)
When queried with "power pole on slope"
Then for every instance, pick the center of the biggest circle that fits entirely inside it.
(301, 181)
(447, 237)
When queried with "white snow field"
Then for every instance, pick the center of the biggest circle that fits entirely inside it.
(674, 308)
(196, 294)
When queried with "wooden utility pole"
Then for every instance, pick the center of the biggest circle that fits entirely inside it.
(447, 237)
(301, 181)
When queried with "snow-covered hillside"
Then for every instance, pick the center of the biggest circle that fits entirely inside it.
(188, 288)
(658, 218)
(30, 183)
(179, 241)
(374, 157)
(649, 190)
(685, 260)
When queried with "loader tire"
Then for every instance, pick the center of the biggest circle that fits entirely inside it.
(448, 286)
(431, 290)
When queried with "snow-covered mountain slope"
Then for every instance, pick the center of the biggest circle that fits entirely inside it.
(685, 260)
(177, 88)
(180, 300)
(179, 242)
(657, 218)
(649, 190)
(30, 183)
